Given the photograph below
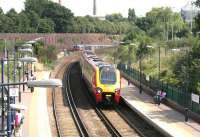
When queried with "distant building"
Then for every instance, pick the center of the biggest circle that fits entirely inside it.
(95, 11)
(189, 11)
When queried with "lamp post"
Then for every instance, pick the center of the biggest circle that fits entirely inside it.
(140, 66)
(19, 66)
(25, 48)
(2, 94)
(27, 60)
(159, 61)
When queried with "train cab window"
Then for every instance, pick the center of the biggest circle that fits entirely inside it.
(107, 75)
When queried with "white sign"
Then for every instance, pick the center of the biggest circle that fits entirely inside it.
(14, 92)
(147, 77)
(195, 98)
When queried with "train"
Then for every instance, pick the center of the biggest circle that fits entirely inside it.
(78, 47)
(102, 78)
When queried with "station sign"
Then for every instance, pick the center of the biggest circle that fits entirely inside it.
(195, 98)
(14, 92)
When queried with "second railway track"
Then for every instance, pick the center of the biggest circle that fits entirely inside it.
(64, 122)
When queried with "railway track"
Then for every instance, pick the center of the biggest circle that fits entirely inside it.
(68, 94)
(63, 120)
(90, 112)
(91, 120)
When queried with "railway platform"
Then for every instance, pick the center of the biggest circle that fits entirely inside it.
(165, 119)
(36, 122)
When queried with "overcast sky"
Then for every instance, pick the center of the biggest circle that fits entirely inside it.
(85, 7)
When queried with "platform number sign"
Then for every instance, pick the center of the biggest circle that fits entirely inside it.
(195, 98)
(14, 92)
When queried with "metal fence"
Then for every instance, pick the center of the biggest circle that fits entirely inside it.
(176, 94)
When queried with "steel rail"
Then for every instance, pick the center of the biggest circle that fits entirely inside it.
(77, 118)
(55, 114)
(58, 130)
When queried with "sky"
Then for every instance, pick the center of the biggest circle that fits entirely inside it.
(85, 7)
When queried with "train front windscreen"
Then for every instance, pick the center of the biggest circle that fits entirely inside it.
(107, 75)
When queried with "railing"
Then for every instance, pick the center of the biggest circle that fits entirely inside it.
(176, 94)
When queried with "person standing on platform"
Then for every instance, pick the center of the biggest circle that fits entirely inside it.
(18, 124)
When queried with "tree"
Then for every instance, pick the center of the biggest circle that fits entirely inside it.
(131, 15)
(197, 3)
(170, 23)
(35, 5)
(34, 20)
(45, 26)
(186, 68)
(1, 11)
(24, 22)
(5, 24)
(143, 23)
(12, 14)
(134, 35)
(114, 17)
(61, 16)
(197, 23)
(197, 18)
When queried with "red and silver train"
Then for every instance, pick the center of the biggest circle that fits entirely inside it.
(102, 78)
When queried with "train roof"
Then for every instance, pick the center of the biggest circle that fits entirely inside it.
(93, 59)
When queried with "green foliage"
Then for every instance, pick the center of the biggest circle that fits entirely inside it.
(134, 35)
(186, 42)
(45, 26)
(94, 25)
(45, 54)
(163, 24)
(143, 23)
(197, 22)
(61, 16)
(1, 11)
(35, 5)
(114, 17)
(44, 16)
(24, 23)
(197, 3)
(187, 68)
(12, 16)
(131, 15)
(48, 54)
(34, 19)
(5, 23)
(142, 49)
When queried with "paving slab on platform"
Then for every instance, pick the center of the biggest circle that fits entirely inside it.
(166, 119)
(36, 123)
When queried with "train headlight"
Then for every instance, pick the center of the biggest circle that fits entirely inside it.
(98, 90)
